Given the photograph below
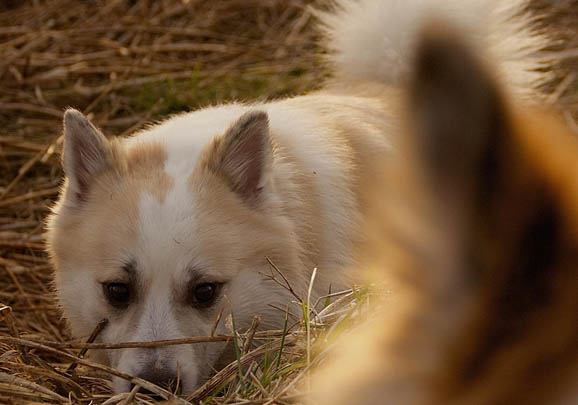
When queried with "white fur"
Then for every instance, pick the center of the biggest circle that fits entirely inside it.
(374, 40)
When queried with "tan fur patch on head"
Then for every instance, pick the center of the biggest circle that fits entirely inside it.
(142, 164)
(108, 219)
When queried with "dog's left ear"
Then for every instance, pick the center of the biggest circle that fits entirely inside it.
(243, 156)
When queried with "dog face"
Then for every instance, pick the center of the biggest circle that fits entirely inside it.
(159, 245)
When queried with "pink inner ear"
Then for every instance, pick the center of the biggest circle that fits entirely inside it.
(247, 161)
(246, 154)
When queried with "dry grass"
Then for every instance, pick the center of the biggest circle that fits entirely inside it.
(125, 63)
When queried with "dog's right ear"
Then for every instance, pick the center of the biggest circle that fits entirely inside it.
(86, 153)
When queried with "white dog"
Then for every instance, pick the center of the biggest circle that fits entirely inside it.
(158, 232)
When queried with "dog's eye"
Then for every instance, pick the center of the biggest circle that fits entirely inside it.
(205, 293)
(117, 294)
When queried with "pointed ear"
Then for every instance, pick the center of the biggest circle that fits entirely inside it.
(243, 156)
(459, 118)
(86, 153)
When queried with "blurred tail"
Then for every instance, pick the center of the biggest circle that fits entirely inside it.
(373, 40)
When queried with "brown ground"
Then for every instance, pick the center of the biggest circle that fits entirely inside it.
(125, 63)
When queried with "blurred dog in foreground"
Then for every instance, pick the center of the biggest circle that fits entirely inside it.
(162, 231)
(479, 227)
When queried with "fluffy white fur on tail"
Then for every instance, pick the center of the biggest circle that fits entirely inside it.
(374, 40)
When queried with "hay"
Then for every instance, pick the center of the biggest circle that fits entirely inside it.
(125, 63)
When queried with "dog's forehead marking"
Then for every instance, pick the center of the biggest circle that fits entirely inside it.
(141, 165)
(166, 226)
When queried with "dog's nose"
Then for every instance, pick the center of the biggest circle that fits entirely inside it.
(164, 378)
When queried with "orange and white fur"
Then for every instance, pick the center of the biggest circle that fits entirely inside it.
(477, 230)
(159, 231)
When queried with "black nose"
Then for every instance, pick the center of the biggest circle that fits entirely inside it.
(163, 378)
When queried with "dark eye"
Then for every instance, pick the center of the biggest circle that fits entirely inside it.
(205, 293)
(117, 294)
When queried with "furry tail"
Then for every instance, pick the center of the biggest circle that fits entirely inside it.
(373, 40)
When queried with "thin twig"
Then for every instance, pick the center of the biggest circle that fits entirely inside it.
(251, 333)
(287, 284)
(97, 330)
(6, 315)
(217, 320)
(132, 394)
(132, 345)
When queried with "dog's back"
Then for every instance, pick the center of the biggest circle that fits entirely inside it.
(479, 227)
